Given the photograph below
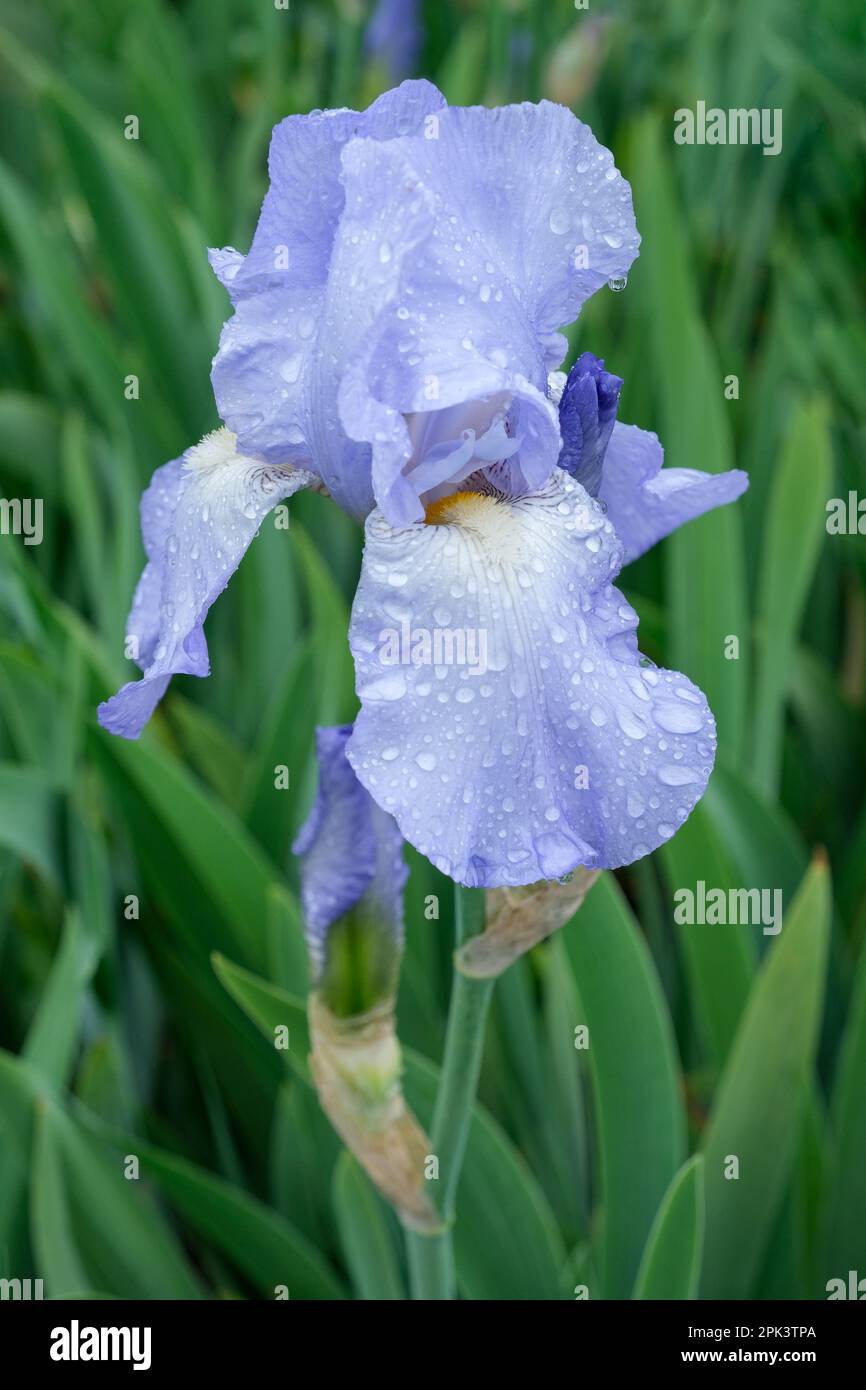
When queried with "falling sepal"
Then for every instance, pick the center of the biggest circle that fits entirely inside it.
(356, 1065)
(518, 919)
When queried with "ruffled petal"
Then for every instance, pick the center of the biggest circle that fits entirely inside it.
(446, 349)
(481, 269)
(587, 414)
(264, 373)
(534, 195)
(646, 502)
(264, 376)
(305, 199)
(198, 517)
(437, 275)
(507, 720)
(352, 851)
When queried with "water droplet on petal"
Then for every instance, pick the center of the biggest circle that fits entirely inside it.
(628, 721)
(677, 719)
(389, 687)
(677, 776)
(290, 370)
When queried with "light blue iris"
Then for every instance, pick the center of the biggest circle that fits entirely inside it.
(395, 339)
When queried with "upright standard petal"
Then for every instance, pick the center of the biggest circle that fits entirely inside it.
(534, 194)
(646, 502)
(447, 358)
(265, 372)
(478, 289)
(507, 720)
(351, 852)
(198, 517)
(437, 276)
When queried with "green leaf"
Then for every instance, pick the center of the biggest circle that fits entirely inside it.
(720, 960)
(635, 1076)
(287, 949)
(758, 1110)
(28, 817)
(330, 622)
(190, 844)
(796, 519)
(148, 1262)
(47, 267)
(303, 1155)
(706, 573)
(86, 512)
(671, 1264)
(261, 1243)
(366, 1233)
(30, 441)
(270, 1008)
(285, 738)
(843, 1237)
(85, 1182)
(140, 251)
(762, 842)
(18, 1089)
(54, 1033)
(210, 748)
(57, 1255)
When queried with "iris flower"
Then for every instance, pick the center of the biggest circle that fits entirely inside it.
(395, 342)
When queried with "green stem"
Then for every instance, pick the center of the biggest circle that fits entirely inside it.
(431, 1261)
(431, 1266)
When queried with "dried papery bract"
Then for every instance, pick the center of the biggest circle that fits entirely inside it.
(356, 1065)
(519, 918)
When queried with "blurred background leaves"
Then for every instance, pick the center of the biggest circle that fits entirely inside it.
(125, 868)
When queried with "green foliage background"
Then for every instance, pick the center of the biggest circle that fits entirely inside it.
(145, 1037)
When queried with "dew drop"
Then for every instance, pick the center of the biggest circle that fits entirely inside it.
(677, 719)
(290, 370)
(628, 721)
(389, 687)
(677, 776)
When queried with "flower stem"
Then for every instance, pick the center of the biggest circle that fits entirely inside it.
(431, 1259)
